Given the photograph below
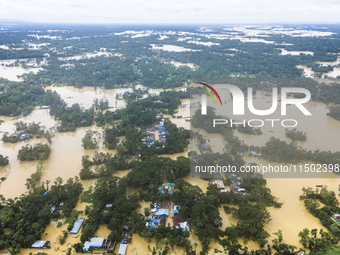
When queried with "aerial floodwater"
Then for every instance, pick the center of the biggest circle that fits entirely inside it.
(99, 132)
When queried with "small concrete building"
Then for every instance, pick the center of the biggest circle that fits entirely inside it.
(95, 242)
(41, 244)
(162, 212)
(122, 249)
(76, 226)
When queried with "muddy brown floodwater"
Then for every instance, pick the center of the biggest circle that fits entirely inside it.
(322, 133)
(65, 161)
(12, 72)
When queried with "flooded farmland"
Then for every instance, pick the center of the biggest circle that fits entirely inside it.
(10, 71)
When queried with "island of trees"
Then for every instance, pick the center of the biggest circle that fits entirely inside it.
(38, 151)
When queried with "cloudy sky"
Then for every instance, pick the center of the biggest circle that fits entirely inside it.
(171, 11)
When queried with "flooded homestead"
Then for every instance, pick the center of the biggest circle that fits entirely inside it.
(67, 151)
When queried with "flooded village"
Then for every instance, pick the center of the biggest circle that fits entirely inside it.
(162, 211)
(291, 218)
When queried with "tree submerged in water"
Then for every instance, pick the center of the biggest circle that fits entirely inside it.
(3, 160)
(89, 141)
(37, 152)
(334, 112)
(296, 135)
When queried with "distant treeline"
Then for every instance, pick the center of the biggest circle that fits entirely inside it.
(19, 54)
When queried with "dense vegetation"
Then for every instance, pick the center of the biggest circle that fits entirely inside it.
(296, 135)
(280, 151)
(334, 112)
(327, 197)
(89, 141)
(317, 241)
(18, 98)
(106, 164)
(330, 93)
(71, 117)
(29, 130)
(38, 151)
(3, 160)
(109, 192)
(23, 220)
(24, 53)
(200, 208)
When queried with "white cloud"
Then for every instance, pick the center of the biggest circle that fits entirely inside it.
(171, 11)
